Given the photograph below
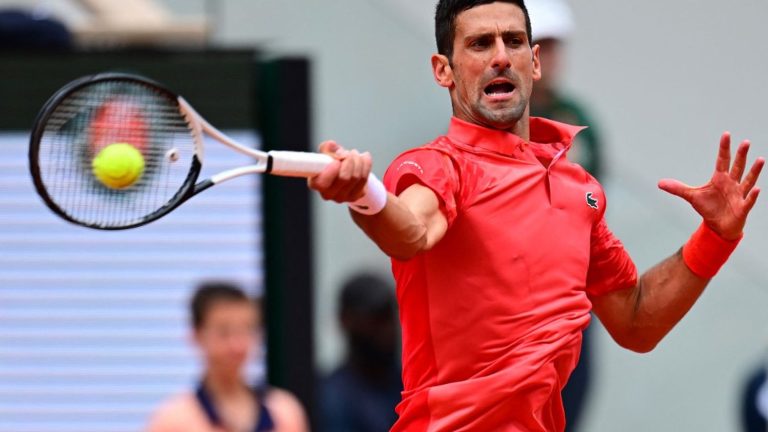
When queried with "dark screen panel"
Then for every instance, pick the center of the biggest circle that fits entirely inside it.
(226, 99)
(286, 125)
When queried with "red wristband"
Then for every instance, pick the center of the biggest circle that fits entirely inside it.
(705, 252)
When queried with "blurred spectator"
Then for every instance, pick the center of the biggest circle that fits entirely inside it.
(754, 401)
(227, 326)
(23, 31)
(552, 24)
(361, 395)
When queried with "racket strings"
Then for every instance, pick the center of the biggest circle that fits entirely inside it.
(101, 114)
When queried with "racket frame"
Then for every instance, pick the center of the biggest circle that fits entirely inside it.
(186, 191)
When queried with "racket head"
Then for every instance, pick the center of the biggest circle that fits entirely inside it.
(94, 111)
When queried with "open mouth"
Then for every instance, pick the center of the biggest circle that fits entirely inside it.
(501, 88)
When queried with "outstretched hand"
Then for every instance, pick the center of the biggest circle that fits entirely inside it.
(344, 180)
(725, 201)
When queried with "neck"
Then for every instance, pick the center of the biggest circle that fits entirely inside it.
(521, 127)
(223, 383)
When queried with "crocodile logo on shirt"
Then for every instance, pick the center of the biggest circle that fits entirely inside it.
(592, 202)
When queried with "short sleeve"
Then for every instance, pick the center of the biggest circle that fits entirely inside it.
(610, 266)
(431, 168)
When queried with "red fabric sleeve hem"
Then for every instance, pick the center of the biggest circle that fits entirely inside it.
(607, 288)
(432, 169)
(610, 268)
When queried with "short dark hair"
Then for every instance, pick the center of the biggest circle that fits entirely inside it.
(445, 20)
(210, 293)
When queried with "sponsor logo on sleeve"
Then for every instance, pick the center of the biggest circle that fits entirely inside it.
(411, 164)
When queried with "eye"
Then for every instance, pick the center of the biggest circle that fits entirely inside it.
(514, 41)
(479, 43)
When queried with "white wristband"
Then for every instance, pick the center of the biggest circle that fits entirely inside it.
(374, 200)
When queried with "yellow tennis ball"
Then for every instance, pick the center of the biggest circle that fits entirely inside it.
(118, 165)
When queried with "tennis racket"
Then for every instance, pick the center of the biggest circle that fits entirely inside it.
(94, 111)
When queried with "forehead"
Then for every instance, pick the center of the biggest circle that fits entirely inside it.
(491, 18)
(227, 312)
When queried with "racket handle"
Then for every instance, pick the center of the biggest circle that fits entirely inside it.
(297, 164)
(304, 164)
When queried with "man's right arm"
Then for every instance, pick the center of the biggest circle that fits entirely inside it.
(409, 223)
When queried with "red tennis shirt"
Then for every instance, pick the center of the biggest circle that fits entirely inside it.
(492, 315)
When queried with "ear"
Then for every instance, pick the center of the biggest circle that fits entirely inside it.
(441, 68)
(536, 62)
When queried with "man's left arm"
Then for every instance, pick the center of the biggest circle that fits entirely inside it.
(639, 317)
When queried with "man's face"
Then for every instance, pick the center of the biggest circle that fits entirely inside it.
(493, 67)
(228, 334)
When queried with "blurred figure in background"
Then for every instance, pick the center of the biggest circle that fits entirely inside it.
(552, 22)
(754, 401)
(227, 327)
(361, 395)
(22, 30)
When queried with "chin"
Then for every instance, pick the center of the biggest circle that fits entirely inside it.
(501, 118)
(502, 122)
(229, 364)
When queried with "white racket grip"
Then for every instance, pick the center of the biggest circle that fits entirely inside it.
(297, 164)
(304, 164)
(375, 197)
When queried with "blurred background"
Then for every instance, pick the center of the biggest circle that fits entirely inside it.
(86, 316)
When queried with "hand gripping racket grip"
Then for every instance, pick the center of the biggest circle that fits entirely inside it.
(303, 164)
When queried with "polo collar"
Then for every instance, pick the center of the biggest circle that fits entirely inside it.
(543, 131)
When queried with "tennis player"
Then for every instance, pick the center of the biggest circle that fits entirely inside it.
(499, 243)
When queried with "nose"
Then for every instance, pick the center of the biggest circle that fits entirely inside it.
(501, 58)
(239, 345)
